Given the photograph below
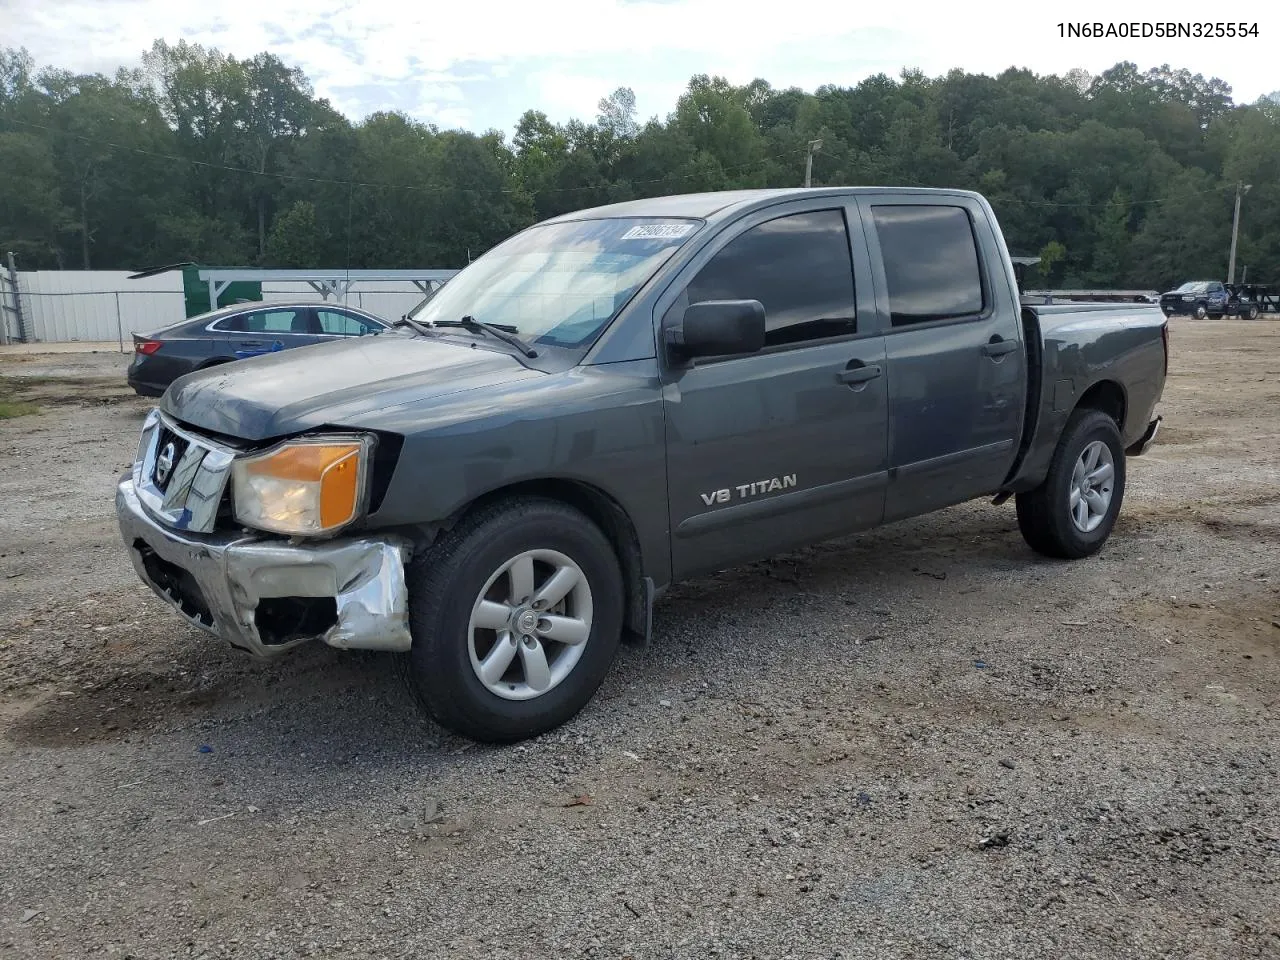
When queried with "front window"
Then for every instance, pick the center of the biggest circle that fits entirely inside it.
(560, 284)
(1194, 286)
(797, 266)
(341, 324)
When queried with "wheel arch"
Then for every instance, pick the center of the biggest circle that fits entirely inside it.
(1109, 397)
(215, 362)
(607, 514)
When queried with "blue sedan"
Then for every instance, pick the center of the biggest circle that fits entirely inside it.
(236, 332)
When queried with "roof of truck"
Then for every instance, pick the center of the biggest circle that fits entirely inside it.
(705, 205)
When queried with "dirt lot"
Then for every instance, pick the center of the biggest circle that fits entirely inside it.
(922, 742)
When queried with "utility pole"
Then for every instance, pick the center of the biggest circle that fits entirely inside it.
(1241, 190)
(814, 147)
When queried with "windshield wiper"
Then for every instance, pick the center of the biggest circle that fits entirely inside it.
(407, 321)
(501, 331)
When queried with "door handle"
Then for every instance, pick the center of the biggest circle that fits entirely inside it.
(998, 348)
(853, 375)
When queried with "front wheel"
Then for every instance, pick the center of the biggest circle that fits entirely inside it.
(1202, 312)
(516, 614)
(1072, 513)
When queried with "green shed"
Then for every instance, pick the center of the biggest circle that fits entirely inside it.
(195, 292)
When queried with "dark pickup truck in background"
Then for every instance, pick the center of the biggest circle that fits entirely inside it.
(1196, 298)
(624, 397)
(1212, 299)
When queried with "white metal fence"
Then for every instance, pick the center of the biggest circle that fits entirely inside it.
(65, 305)
(62, 306)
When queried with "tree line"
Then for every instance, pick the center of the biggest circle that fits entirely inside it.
(1124, 179)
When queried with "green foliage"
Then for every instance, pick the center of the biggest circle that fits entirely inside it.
(295, 239)
(31, 211)
(1121, 179)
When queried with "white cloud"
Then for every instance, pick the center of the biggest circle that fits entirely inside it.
(568, 53)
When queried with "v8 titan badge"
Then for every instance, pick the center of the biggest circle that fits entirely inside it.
(747, 490)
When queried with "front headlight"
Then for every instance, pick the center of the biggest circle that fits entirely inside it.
(303, 487)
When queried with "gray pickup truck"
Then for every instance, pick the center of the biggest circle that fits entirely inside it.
(620, 398)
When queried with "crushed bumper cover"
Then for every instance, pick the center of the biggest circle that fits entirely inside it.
(1146, 440)
(222, 583)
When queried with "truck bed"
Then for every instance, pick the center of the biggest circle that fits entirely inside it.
(1076, 348)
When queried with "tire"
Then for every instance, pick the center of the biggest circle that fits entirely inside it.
(466, 566)
(1252, 312)
(1046, 516)
(1202, 312)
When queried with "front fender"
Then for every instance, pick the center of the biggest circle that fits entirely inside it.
(600, 426)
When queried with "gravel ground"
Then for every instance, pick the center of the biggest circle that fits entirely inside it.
(920, 742)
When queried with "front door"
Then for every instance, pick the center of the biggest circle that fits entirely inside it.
(786, 446)
(955, 365)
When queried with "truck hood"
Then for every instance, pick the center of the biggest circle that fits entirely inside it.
(332, 383)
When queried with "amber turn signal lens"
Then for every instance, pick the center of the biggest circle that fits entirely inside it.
(339, 491)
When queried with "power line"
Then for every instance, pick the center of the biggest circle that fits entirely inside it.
(1110, 203)
(995, 199)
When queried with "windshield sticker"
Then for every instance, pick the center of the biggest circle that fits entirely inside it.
(659, 231)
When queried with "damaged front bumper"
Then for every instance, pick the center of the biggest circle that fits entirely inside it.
(268, 596)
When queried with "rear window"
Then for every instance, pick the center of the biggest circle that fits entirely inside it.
(268, 321)
(930, 262)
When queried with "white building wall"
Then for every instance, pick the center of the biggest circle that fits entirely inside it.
(64, 305)
(102, 305)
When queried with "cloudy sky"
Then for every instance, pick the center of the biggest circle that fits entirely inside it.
(479, 64)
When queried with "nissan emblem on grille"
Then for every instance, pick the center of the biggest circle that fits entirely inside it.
(164, 463)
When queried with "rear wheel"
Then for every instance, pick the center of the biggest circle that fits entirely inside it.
(516, 615)
(1251, 312)
(1072, 513)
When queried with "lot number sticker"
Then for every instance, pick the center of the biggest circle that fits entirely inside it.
(659, 231)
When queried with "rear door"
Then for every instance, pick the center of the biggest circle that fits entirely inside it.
(955, 362)
(786, 446)
(266, 330)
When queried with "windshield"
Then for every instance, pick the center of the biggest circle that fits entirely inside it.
(1193, 286)
(560, 284)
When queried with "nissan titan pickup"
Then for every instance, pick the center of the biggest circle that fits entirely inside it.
(613, 400)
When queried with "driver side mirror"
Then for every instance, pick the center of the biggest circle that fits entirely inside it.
(718, 328)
